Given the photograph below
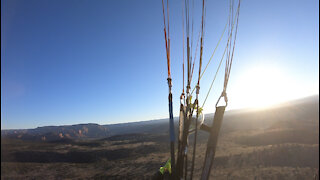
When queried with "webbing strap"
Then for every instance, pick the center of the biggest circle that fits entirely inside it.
(212, 142)
(172, 134)
(171, 124)
(181, 123)
(181, 160)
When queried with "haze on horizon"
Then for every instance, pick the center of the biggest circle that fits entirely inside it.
(71, 62)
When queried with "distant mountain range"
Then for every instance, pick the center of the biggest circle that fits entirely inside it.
(293, 112)
(53, 133)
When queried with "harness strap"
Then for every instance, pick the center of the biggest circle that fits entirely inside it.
(212, 142)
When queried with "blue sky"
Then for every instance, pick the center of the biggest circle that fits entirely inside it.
(81, 61)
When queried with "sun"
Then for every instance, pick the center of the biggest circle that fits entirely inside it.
(261, 87)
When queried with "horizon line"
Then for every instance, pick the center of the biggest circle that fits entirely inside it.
(127, 122)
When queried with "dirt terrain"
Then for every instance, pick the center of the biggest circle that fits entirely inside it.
(276, 143)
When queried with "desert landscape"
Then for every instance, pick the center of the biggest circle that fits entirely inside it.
(281, 142)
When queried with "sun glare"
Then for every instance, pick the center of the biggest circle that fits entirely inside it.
(262, 87)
